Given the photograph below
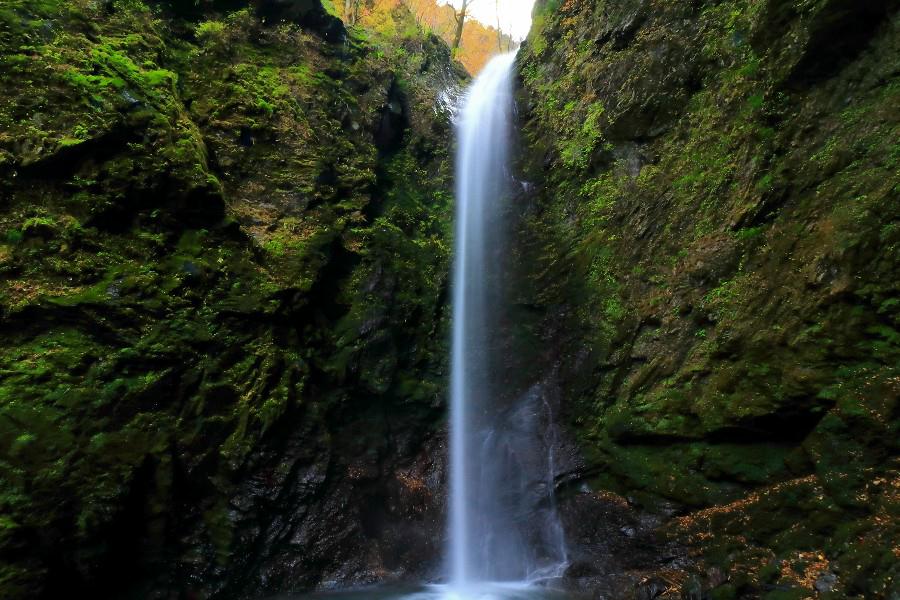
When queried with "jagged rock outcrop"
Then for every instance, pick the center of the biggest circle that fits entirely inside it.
(223, 262)
(709, 259)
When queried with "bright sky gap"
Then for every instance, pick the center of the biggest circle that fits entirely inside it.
(515, 15)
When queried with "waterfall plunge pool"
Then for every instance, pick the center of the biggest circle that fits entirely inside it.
(481, 591)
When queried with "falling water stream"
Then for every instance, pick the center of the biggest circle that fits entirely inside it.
(480, 181)
(502, 522)
(505, 541)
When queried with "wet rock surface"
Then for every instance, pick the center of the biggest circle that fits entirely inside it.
(221, 299)
(691, 270)
(224, 246)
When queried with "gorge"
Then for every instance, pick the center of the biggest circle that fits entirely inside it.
(229, 261)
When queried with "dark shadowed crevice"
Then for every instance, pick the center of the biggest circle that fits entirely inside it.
(840, 31)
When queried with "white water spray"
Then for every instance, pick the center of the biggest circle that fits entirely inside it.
(503, 524)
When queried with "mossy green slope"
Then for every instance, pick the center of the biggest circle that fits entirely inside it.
(223, 241)
(714, 247)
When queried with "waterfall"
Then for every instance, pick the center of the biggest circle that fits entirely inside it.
(502, 521)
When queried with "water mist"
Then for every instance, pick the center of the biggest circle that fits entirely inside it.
(502, 523)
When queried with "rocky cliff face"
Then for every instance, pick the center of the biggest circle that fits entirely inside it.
(708, 263)
(223, 255)
(223, 262)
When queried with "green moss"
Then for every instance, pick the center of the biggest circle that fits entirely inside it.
(724, 592)
(147, 325)
(210, 32)
(699, 249)
(578, 143)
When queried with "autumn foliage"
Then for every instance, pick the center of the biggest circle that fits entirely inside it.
(479, 41)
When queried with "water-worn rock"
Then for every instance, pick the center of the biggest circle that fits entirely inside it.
(825, 582)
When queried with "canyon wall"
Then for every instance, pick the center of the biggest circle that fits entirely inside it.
(223, 268)
(708, 266)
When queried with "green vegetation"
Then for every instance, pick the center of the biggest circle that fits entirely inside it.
(224, 246)
(711, 245)
(197, 234)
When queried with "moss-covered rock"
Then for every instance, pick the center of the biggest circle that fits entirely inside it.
(214, 264)
(712, 248)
